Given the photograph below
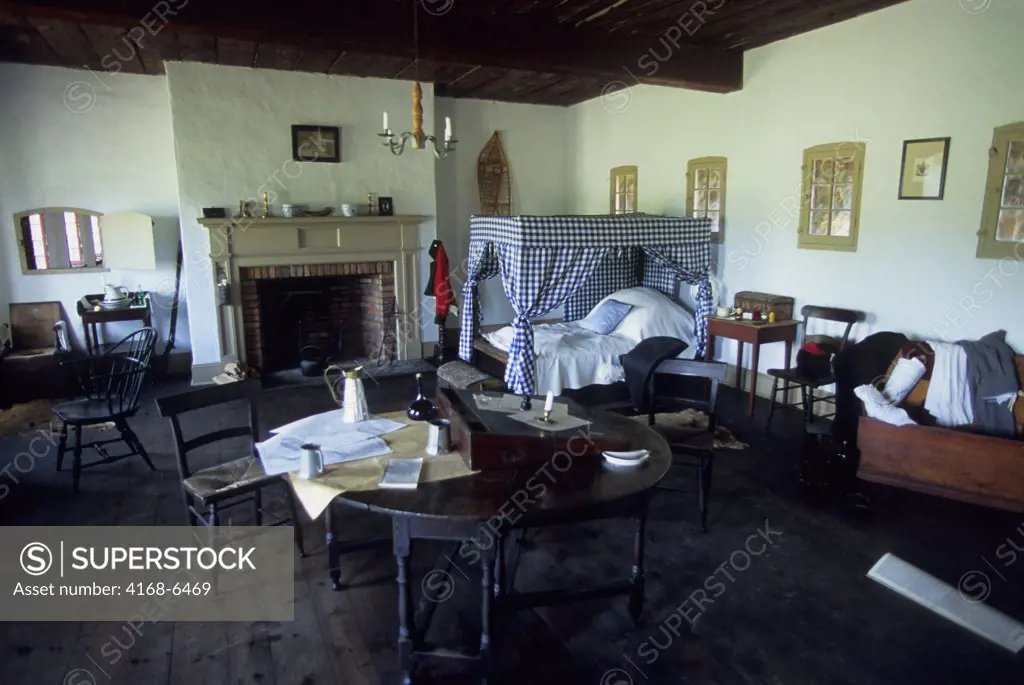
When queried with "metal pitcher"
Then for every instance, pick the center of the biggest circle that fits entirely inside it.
(311, 463)
(353, 400)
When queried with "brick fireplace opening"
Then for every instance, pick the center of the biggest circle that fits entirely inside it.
(338, 312)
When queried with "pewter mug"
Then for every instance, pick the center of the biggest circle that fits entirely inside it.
(438, 436)
(311, 463)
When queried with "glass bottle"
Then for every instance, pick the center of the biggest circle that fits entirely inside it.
(421, 408)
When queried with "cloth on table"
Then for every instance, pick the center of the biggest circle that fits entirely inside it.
(991, 375)
(639, 364)
(356, 476)
(949, 397)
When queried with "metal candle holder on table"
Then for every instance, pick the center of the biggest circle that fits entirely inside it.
(546, 418)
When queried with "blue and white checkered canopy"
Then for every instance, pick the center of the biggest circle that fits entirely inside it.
(545, 261)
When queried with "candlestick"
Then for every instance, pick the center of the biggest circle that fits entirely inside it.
(447, 128)
(385, 122)
(549, 401)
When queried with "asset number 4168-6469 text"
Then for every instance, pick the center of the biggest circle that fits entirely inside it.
(161, 589)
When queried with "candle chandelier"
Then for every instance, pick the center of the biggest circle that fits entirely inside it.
(419, 139)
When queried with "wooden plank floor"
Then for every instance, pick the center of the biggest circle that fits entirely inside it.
(801, 612)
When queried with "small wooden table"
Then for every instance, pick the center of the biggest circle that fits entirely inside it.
(756, 334)
(91, 318)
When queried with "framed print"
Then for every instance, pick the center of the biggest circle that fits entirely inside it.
(923, 176)
(386, 206)
(316, 143)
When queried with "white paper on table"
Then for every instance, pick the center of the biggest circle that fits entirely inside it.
(377, 426)
(283, 453)
(330, 422)
(315, 423)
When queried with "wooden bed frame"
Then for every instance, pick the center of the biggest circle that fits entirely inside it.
(980, 469)
(489, 358)
(958, 464)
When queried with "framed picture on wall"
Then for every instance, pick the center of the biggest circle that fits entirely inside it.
(386, 206)
(316, 143)
(923, 173)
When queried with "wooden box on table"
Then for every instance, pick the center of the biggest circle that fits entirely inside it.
(781, 305)
(492, 440)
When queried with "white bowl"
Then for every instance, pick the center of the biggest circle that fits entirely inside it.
(626, 458)
(350, 210)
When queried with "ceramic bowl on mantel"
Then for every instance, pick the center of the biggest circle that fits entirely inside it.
(350, 210)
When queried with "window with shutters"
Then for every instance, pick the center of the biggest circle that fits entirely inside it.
(830, 208)
(1002, 218)
(623, 190)
(705, 192)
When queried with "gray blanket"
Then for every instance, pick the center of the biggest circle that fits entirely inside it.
(991, 372)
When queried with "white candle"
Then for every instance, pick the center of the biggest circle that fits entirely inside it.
(549, 403)
(447, 128)
(385, 122)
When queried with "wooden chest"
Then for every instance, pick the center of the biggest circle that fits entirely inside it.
(491, 440)
(781, 305)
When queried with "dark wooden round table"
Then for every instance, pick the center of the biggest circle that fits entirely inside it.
(481, 511)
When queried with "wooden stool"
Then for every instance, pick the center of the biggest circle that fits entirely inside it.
(462, 376)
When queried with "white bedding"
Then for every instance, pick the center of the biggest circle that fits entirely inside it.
(570, 356)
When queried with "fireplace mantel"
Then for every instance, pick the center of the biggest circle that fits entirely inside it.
(280, 241)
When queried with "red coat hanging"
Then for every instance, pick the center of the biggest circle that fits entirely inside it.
(439, 282)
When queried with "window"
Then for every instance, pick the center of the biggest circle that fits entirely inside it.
(705, 192)
(74, 239)
(97, 241)
(830, 212)
(623, 190)
(58, 239)
(37, 239)
(1002, 217)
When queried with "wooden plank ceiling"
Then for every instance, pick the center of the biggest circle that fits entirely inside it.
(557, 52)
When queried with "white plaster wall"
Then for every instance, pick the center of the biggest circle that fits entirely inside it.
(232, 134)
(535, 139)
(922, 69)
(69, 139)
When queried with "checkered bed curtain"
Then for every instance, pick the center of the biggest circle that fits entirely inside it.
(543, 260)
(665, 267)
(482, 264)
(619, 269)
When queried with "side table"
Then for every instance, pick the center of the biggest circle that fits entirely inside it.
(92, 318)
(755, 334)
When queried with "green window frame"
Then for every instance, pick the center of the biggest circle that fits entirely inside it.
(1002, 217)
(623, 190)
(833, 176)
(705, 192)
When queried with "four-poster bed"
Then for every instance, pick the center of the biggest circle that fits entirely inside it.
(548, 261)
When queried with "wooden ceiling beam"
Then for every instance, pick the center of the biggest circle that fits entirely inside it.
(383, 27)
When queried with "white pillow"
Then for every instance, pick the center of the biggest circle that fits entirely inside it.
(653, 314)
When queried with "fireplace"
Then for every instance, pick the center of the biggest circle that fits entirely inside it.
(337, 312)
(347, 282)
